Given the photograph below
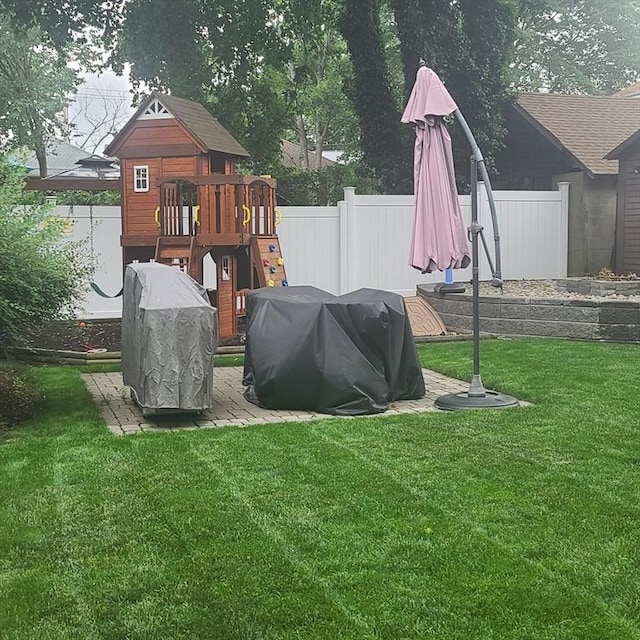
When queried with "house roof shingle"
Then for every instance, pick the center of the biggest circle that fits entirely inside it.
(615, 153)
(632, 91)
(586, 126)
(291, 156)
(61, 156)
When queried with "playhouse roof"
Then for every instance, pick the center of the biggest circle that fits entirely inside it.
(588, 127)
(209, 134)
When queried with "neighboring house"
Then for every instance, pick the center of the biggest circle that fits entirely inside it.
(632, 91)
(627, 247)
(69, 168)
(564, 138)
(61, 156)
(292, 157)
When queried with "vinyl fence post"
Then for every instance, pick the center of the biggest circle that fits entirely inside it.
(563, 228)
(348, 238)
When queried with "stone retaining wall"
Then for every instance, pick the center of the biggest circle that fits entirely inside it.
(553, 317)
(601, 288)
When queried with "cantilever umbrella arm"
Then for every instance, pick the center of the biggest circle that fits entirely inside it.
(496, 272)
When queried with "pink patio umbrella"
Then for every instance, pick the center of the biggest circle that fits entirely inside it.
(438, 240)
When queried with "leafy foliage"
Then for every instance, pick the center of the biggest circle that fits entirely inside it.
(34, 84)
(577, 46)
(319, 187)
(17, 394)
(80, 198)
(376, 106)
(41, 274)
(466, 42)
(340, 70)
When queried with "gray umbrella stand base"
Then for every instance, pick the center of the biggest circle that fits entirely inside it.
(477, 397)
(449, 287)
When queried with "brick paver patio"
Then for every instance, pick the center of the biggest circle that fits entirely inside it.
(123, 416)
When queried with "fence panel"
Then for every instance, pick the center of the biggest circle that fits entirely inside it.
(99, 229)
(362, 242)
(310, 242)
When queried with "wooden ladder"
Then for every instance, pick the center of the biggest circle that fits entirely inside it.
(267, 260)
(177, 251)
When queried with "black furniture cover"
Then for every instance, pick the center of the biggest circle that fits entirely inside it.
(169, 336)
(343, 355)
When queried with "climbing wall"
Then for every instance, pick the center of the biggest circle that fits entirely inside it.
(268, 261)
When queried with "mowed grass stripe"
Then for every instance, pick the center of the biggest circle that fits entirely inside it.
(518, 524)
(511, 505)
(425, 500)
(176, 542)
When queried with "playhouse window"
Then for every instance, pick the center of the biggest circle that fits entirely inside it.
(141, 179)
(226, 268)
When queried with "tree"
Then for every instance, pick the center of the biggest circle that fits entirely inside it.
(41, 274)
(35, 83)
(373, 99)
(313, 78)
(465, 41)
(577, 46)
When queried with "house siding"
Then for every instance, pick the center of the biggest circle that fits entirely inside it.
(592, 222)
(628, 228)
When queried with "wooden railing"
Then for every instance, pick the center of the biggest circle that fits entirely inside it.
(234, 204)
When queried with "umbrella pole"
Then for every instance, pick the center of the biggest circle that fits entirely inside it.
(496, 273)
(476, 387)
(476, 397)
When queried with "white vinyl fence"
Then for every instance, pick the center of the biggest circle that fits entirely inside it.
(362, 242)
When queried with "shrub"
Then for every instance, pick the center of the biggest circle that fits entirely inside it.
(41, 274)
(17, 394)
(320, 187)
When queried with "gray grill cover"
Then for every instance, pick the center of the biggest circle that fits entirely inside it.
(169, 336)
(346, 355)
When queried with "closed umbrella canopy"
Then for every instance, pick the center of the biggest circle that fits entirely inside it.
(438, 240)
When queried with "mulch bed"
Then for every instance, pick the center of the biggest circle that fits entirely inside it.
(86, 335)
(77, 336)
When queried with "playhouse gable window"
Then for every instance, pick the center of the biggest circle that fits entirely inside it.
(155, 110)
(141, 179)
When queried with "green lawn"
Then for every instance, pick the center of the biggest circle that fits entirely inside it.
(491, 525)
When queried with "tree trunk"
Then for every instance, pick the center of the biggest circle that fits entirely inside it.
(302, 141)
(382, 138)
(319, 145)
(40, 146)
(41, 155)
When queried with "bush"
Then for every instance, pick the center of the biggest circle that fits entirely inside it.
(320, 187)
(17, 395)
(42, 275)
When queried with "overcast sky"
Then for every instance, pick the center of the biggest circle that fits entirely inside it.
(102, 105)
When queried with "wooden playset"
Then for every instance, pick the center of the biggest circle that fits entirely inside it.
(182, 201)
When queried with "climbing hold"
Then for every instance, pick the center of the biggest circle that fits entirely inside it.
(272, 247)
(285, 283)
(271, 283)
(266, 262)
(273, 268)
(280, 261)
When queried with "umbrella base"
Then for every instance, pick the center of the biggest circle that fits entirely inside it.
(452, 287)
(463, 401)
